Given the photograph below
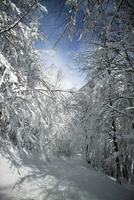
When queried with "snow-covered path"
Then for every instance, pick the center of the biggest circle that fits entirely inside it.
(71, 180)
(88, 184)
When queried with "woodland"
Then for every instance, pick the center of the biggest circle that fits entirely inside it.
(41, 122)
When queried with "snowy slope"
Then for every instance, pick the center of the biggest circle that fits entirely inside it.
(70, 180)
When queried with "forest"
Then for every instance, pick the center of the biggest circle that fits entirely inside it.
(56, 131)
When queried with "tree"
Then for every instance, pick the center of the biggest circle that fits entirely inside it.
(21, 79)
(106, 111)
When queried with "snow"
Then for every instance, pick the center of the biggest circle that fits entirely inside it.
(8, 70)
(15, 8)
(6, 175)
(70, 179)
(13, 78)
(4, 62)
(43, 8)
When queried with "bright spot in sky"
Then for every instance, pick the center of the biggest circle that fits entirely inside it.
(55, 63)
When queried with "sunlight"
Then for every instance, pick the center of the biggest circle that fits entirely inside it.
(55, 62)
(66, 100)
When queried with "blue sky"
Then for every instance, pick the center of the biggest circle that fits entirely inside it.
(52, 25)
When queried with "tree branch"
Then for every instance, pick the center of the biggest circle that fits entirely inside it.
(117, 10)
(120, 112)
(19, 20)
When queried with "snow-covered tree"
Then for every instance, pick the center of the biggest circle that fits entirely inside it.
(106, 101)
(23, 87)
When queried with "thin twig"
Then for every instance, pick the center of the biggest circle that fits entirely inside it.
(117, 10)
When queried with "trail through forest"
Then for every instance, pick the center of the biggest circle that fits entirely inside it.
(69, 179)
(67, 91)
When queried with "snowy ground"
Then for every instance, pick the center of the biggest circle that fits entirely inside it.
(64, 180)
